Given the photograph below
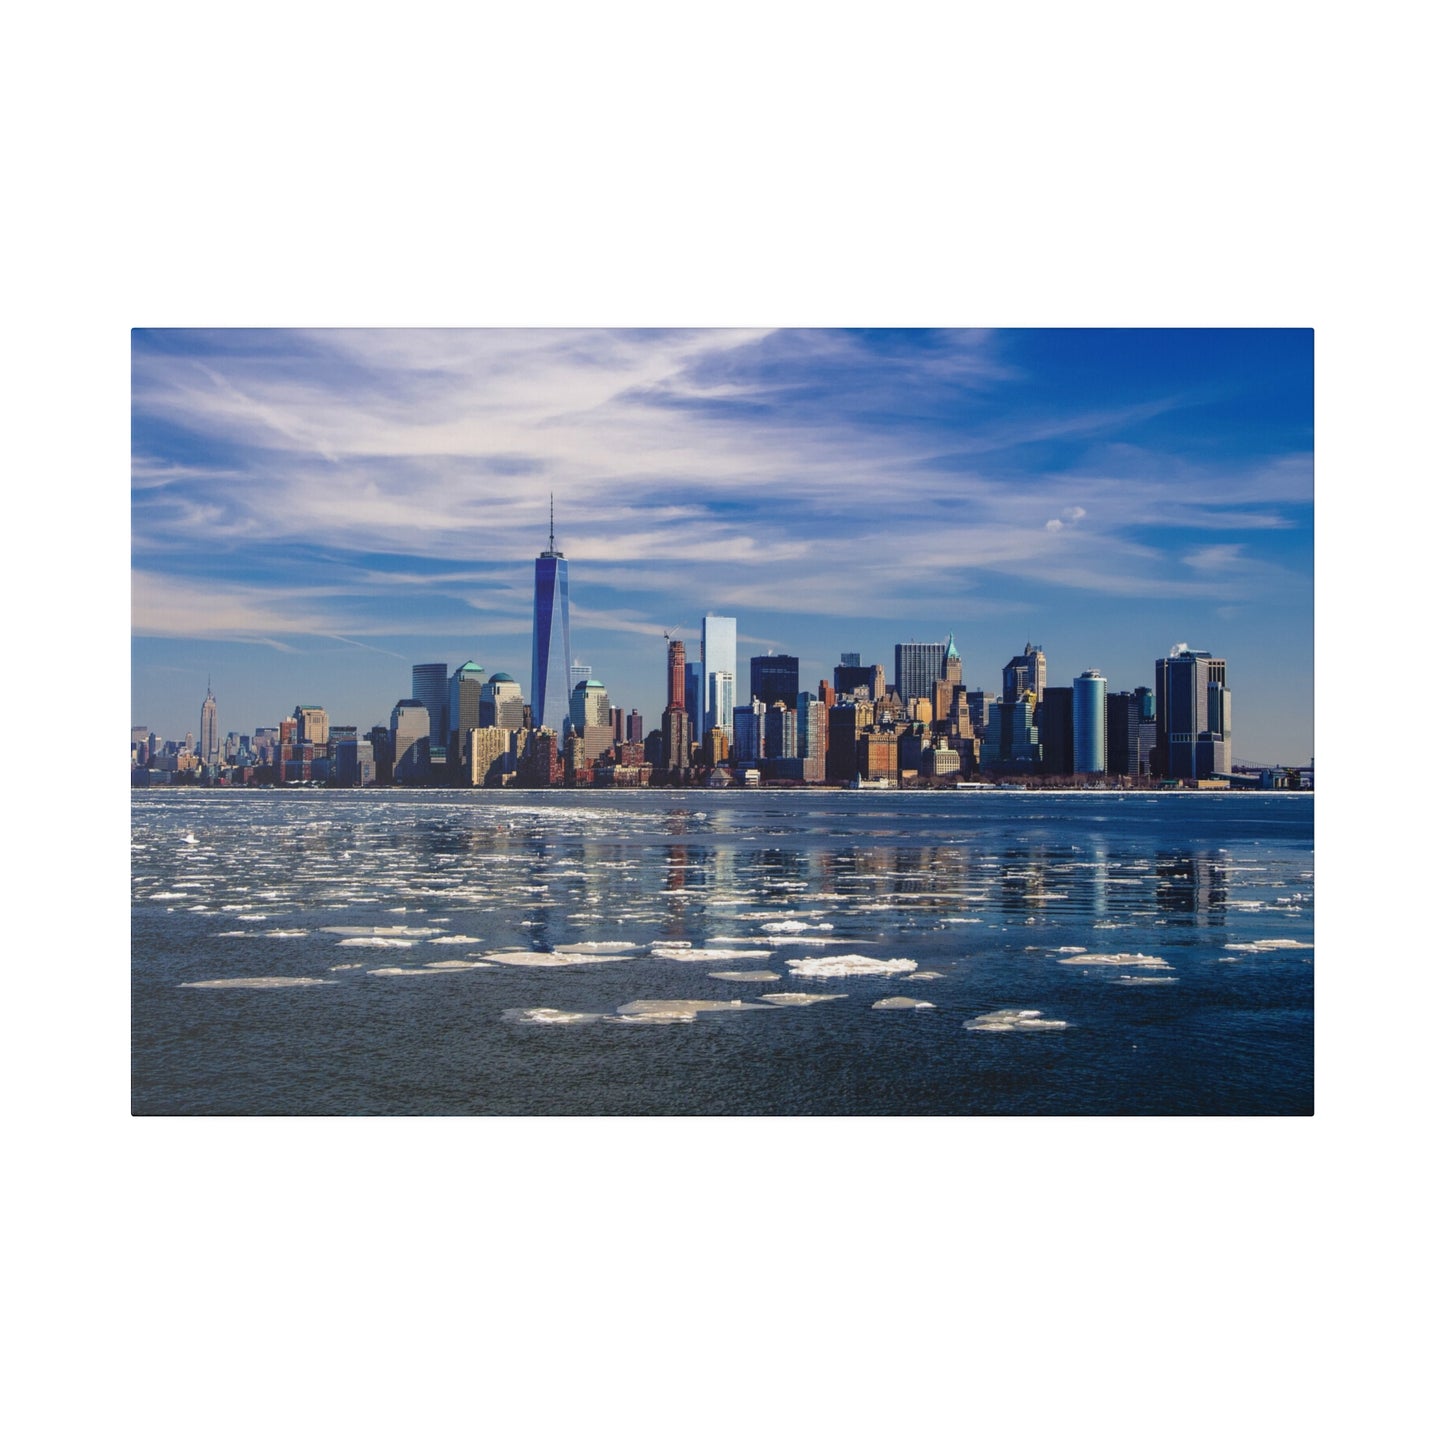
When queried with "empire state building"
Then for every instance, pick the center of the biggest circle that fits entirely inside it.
(551, 636)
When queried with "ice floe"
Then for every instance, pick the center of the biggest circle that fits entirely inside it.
(377, 943)
(846, 964)
(423, 972)
(1011, 1020)
(455, 938)
(678, 1010)
(1071, 948)
(756, 975)
(284, 933)
(923, 974)
(393, 930)
(798, 1000)
(257, 982)
(548, 1016)
(1266, 945)
(709, 955)
(1119, 960)
(796, 925)
(608, 948)
(534, 958)
(1155, 978)
(901, 1002)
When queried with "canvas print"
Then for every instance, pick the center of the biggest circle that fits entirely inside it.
(722, 722)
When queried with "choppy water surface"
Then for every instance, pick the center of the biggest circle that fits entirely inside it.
(704, 953)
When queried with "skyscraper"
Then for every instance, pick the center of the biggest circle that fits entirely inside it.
(1192, 701)
(719, 654)
(429, 687)
(916, 667)
(210, 731)
(1090, 752)
(1026, 673)
(676, 725)
(464, 706)
(774, 678)
(551, 636)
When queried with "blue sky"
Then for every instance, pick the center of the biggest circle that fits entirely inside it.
(312, 512)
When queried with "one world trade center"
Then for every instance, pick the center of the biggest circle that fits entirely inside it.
(551, 636)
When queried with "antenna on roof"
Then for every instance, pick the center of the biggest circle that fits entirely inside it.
(551, 525)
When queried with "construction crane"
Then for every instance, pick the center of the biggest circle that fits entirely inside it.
(668, 631)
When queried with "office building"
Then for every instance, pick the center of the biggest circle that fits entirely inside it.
(1192, 705)
(502, 705)
(916, 667)
(312, 725)
(464, 705)
(410, 741)
(1027, 672)
(591, 719)
(429, 688)
(1123, 755)
(210, 749)
(694, 698)
(719, 655)
(675, 745)
(774, 678)
(1090, 753)
(551, 638)
(1054, 718)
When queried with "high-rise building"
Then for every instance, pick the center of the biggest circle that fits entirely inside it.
(774, 678)
(676, 740)
(1123, 756)
(780, 731)
(1054, 718)
(850, 675)
(719, 655)
(1027, 672)
(410, 741)
(502, 705)
(694, 697)
(677, 674)
(429, 687)
(312, 725)
(210, 731)
(916, 667)
(722, 699)
(1090, 752)
(464, 706)
(1192, 701)
(591, 719)
(551, 637)
(1148, 731)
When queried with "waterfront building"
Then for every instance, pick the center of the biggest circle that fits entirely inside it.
(487, 753)
(850, 675)
(429, 687)
(355, 763)
(980, 707)
(1010, 743)
(813, 737)
(410, 741)
(846, 720)
(774, 678)
(719, 655)
(916, 667)
(551, 637)
(1027, 672)
(1089, 740)
(1123, 756)
(877, 754)
(674, 755)
(1193, 708)
(1054, 718)
(1148, 732)
(634, 727)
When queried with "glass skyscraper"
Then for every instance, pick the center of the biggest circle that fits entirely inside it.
(1090, 752)
(719, 655)
(551, 639)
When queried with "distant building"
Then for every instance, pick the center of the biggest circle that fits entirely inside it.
(1089, 738)
(1193, 705)
(502, 705)
(312, 725)
(429, 688)
(1054, 718)
(464, 704)
(487, 754)
(354, 764)
(719, 655)
(850, 675)
(1123, 755)
(551, 638)
(410, 742)
(916, 667)
(1027, 672)
(210, 747)
(774, 678)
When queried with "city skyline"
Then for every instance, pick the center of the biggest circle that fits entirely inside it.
(316, 513)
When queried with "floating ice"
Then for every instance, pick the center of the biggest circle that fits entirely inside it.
(548, 1016)
(377, 943)
(1266, 945)
(418, 972)
(846, 964)
(533, 958)
(960, 920)
(393, 930)
(678, 1010)
(1157, 978)
(796, 925)
(797, 1000)
(597, 947)
(284, 933)
(756, 975)
(252, 917)
(923, 974)
(1126, 960)
(901, 1002)
(257, 982)
(1009, 1020)
(455, 938)
(709, 955)
(159, 897)
(1071, 948)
